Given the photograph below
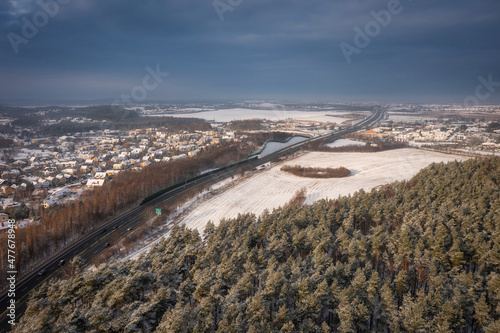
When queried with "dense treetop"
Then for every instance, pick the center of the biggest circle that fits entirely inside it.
(415, 256)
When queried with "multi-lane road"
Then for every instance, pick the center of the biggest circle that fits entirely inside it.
(94, 243)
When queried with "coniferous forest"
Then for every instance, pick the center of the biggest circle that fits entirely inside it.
(415, 256)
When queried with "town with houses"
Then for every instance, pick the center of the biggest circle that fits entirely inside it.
(58, 169)
(479, 137)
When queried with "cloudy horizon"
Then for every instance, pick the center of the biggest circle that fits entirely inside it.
(82, 50)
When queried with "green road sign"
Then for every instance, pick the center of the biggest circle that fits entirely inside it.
(158, 211)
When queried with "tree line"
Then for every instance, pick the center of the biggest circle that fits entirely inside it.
(173, 124)
(246, 125)
(310, 172)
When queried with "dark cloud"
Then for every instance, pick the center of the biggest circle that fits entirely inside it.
(431, 51)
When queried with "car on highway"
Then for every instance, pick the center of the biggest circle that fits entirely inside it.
(104, 230)
(41, 272)
(107, 245)
(61, 262)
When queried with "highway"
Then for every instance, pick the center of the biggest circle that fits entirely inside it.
(94, 243)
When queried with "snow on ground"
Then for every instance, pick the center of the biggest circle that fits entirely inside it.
(344, 143)
(137, 253)
(274, 146)
(269, 105)
(191, 109)
(273, 188)
(409, 117)
(479, 152)
(25, 153)
(152, 240)
(242, 114)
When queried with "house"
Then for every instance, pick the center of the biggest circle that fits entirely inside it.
(24, 223)
(178, 157)
(66, 164)
(3, 217)
(110, 173)
(60, 179)
(49, 202)
(64, 192)
(4, 226)
(10, 174)
(43, 183)
(69, 171)
(7, 190)
(9, 204)
(51, 180)
(91, 183)
(101, 175)
(136, 151)
(229, 135)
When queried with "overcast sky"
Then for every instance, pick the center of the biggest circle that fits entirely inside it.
(430, 51)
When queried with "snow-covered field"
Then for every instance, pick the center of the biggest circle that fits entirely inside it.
(242, 114)
(273, 146)
(345, 142)
(409, 117)
(273, 188)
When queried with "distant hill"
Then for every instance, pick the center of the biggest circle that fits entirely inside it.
(110, 113)
(415, 256)
(174, 124)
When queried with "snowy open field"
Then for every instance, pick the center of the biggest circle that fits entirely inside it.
(274, 146)
(273, 188)
(410, 117)
(345, 143)
(242, 114)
